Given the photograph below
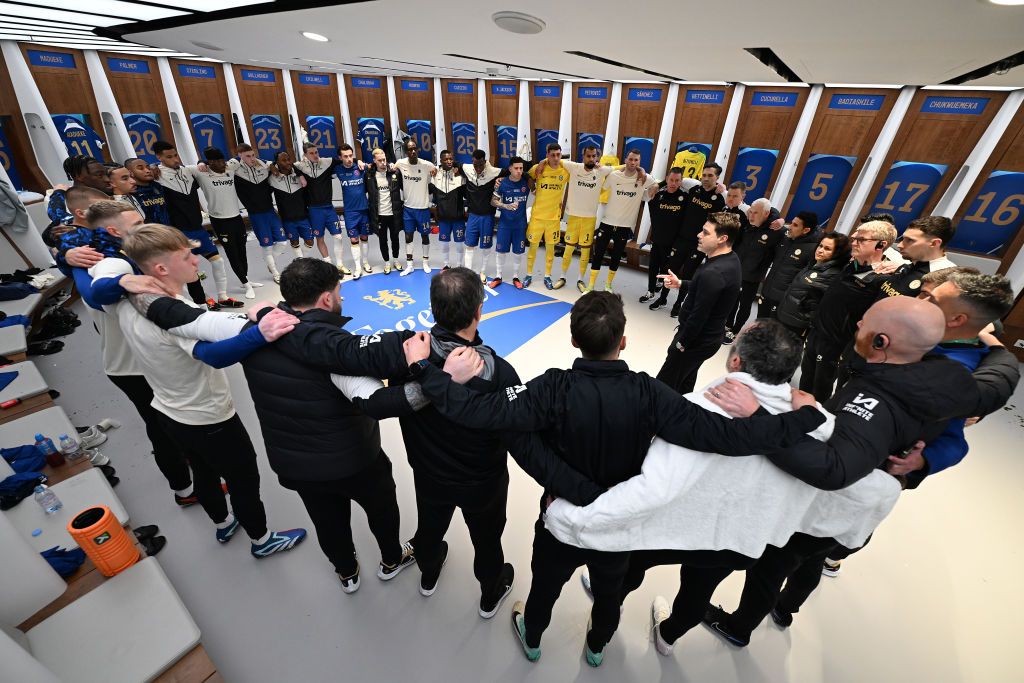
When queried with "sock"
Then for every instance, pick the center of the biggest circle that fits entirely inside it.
(354, 248)
(468, 262)
(279, 247)
(517, 263)
(531, 256)
(220, 277)
(567, 258)
(364, 250)
(549, 258)
(297, 250)
(459, 248)
(262, 539)
(426, 251)
(268, 256)
(185, 492)
(338, 250)
(584, 260)
(446, 248)
(228, 521)
(593, 277)
(326, 259)
(611, 275)
(408, 251)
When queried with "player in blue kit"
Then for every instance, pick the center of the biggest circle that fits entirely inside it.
(357, 219)
(510, 195)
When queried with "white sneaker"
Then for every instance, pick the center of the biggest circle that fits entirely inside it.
(260, 284)
(249, 294)
(358, 274)
(407, 271)
(387, 267)
(660, 611)
(585, 582)
(97, 458)
(398, 265)
(344, 269)
(483, 278)
(91, 437)
(426, 265)
(277, 278)
(367, 268)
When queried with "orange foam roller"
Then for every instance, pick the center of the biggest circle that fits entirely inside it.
(97, 532)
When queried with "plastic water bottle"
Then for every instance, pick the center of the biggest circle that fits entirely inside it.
(54, 458)
(47, 499)
(71, 449)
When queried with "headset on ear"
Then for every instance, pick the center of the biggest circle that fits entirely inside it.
(879, 342)
(879, 244)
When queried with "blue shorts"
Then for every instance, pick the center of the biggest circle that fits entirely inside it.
(296, 229)
(357, 223)
(267, 228)
(205, 247)
(323, 220)
(448, 229)
(416, 220)
(510, 235)
(479, 229)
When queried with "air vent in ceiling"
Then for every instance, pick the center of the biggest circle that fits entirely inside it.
(622, 65)
(518, 66)
(998, 68)
(767, 56)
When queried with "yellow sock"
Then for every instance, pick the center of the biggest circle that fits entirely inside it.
(531, 256)
(584, 260)
(549, 258)
(567, 259)
(611, 275)
(593, 277)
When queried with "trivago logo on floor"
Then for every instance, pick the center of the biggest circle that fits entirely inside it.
(382, 303)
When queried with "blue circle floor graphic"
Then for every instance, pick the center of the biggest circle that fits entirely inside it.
(382, 303)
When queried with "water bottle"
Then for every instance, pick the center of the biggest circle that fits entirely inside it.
(70, 449)
(47, 499)
(54, 458)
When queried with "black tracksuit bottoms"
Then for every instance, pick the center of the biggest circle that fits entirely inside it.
(819, 367)
(231, 234)
(553, 565)
(680, 368)
(748, 292)
(605, 234)
(223, 451)
(483, 509)
(700, 572)
(168, 456)
(329, 504)
(657, 264)
(388, 227)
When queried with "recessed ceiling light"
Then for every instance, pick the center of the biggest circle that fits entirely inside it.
(517, 22)
(207, 46)
(315, 36)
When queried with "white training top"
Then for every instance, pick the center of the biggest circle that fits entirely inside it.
(383, 194)
(117, 356)
(415, 183)
(584, 188)
(219, 190)
(625, 196)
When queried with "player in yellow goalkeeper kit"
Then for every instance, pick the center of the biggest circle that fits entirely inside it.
(546, 217)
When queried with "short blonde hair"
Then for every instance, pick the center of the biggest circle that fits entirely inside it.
(376, 151)
(152, 241)
(879, 230)
(99, 213)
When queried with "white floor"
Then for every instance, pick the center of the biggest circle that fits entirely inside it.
(936, 596)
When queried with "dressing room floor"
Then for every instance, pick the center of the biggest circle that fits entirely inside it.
(936, 597)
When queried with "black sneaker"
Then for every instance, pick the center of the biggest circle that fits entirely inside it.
(674, 312)
(659, 303)
(144, 532)
(647, 297)
(153, 545)
(350, 584)
(428, 584)
(782, 619)
(716, 619)
(728, 338)
(505, 579)
(186, 501)
(388, 572)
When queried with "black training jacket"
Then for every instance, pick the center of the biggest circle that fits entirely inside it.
(667, 210)
(253, 188)
(709, 301)
(756, 247)
(373, 195)
(800, 302)
(791, 257)
(699, 203)
(843, 304)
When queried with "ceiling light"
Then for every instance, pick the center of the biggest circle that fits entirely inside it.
(315, 36)
(517, 22)
(1007, 2)
(207, 46)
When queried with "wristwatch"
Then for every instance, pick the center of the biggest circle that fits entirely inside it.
(416, 369)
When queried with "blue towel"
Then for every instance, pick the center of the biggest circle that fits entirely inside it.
(11, 320)
(6, 378)
(13, 291)
(24, 458)
(64, 562)
(12, 483)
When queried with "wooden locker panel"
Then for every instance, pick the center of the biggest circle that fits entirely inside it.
(700, 117)
(937, 134)
(768, 118)
(18, 154)
(590, 103)
(502, 114)
(262, 92)
(67, 89)
(844, 129)
(459, 98)
(415, 102)
(367, 97)
(135, 82)
(545, 113)
(316, 95)
(202, 90)
(641, 112)
(990, 219)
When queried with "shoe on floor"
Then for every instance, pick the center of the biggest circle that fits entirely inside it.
(593, 658)
(674, 313)
(782, 619)
(647, 297)
(230, 303)
(426, 265)
(483, 279)
(186, 501)
(519, 626)
(277, 278)
(147, 531)
(358, 274)
(386, 573)
(249, 293)
(387, 267)
(398, 265)
(548, 283)
(344, 269)
(831, 568)
(494, 283)
(728, 338)
(367, 268)
(717, 619)
(581, 288)
(350, 584)
(153, 545)
(227, 533)
(89, 437)
(505, 581)
(428, 584)
(97, 458)
(527, 281)
(660, 611)
(608, 287)
(660, 303)
(407, 271)
(212, 305)
(517, 283)
(279, 542)
(559, 283)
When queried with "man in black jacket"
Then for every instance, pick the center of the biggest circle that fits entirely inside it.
(600, 418)
(448, 188)
(667, 209)
(792, 256)
(384, 190)
(701, 201)
(711, 298)
(756, 248)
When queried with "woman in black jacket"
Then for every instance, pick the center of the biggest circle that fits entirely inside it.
(801, 299)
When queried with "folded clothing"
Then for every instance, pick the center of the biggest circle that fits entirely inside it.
(11, 320)
(13, 291)
(24, 458)
(18, 487)
(65, 562)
